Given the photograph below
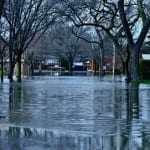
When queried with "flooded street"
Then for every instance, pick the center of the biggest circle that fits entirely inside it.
(74, 113)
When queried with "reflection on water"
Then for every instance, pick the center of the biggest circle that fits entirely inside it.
(74, 113)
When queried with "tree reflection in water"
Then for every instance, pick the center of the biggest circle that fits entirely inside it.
(63, 114)
(14, 95)
(31, 138)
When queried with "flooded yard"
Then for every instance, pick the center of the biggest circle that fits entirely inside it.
(74, 113)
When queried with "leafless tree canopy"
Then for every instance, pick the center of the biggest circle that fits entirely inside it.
(126, 23)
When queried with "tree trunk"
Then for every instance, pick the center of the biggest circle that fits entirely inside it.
(102, 72)
(125, 70)
(70, 68)
(1, 6)
(11, 71)
(2, 73)
(134, 64)
(11, 67)
(31, 67)
(127, 64)
(70, 63)
(19, 68)
(101, 69)
(31, 70)
(134, 100)
(134, 48)
(94, 66)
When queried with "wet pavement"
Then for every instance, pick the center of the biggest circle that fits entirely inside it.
(74, 113)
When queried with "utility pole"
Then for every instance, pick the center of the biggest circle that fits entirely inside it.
(114, 61)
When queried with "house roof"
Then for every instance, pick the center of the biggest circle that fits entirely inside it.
(78, 63)
(146, 56)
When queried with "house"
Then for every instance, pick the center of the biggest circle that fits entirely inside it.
(49, 66)
(24, 68)
(93, 65)
(79, 68)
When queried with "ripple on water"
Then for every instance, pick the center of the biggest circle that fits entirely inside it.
(72, 107)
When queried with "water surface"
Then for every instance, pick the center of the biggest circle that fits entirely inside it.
(74, 113)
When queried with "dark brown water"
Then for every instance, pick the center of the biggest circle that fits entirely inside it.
(74, 113)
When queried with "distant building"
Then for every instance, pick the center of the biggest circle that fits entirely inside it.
(79, 68)
(50, 66)
(93, 65)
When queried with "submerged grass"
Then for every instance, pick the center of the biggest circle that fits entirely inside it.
(145, 81)
(142, 81)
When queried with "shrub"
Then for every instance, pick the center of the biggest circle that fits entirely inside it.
(145, 69)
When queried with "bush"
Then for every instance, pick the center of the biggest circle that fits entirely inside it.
(64, 63)
(145, 69)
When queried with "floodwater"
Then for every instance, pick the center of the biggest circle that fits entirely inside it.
(74, 113)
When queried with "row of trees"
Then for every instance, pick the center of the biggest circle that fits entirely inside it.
(125, 22)
(70, 44)
(20, 22)
(64, 45)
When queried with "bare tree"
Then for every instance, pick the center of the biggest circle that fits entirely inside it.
(3, 48)
(95, 37)
(38, 51)
(1, 6)
(69, 45)
(134, 45)
(105, 15)
(24, 19)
